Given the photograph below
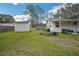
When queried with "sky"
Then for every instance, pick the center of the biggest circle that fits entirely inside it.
(17, 8)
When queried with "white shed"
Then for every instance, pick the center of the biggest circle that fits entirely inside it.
(22, 24)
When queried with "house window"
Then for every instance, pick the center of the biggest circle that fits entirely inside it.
(57, 24)
(75, 23)
(50, 24)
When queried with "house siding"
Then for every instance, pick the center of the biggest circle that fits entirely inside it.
(78, 27)
(54, 28)
(69, 25)
(64, 25)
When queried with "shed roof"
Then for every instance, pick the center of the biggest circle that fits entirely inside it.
(22, 21)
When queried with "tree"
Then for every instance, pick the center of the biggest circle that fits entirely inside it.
(4, 18)
(35, 12)
(39, 13)
(71, 11)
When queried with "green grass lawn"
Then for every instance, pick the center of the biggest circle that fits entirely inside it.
(31, 43)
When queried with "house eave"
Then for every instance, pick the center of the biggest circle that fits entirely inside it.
(65, 20)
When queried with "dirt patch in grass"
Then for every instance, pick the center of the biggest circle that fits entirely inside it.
(49, 34)
(64, 42)
(46, 34)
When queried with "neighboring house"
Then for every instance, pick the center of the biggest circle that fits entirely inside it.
(7, 24)
(22, 23)
(7, 27)
(66, 25)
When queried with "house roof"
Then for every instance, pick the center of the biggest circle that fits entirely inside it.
(22, 21)
(7, 24)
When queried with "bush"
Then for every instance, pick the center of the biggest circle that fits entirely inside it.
(39, 28)
(48, 30)
(64, 30)
(54, 33)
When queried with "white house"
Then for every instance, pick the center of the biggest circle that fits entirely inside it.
(60, 25)
(22, 23)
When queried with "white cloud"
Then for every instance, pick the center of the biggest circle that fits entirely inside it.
(44, 22)
(21, 17)
(17, 3)
(50, 11)
(54, 9)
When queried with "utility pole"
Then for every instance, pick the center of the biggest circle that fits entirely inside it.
(37, 15)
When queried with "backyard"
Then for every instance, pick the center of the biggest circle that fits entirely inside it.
(37, 44)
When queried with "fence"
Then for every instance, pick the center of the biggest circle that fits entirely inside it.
(6, 27)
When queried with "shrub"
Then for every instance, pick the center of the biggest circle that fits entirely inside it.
(48, 30)
(54, 33)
